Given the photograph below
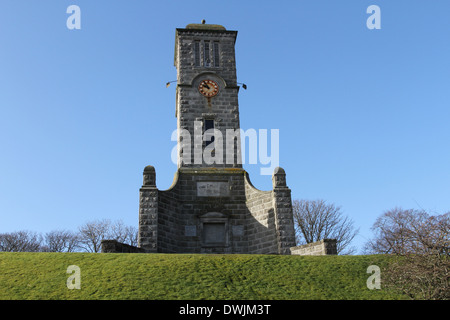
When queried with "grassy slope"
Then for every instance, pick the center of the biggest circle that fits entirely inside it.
(163, 276)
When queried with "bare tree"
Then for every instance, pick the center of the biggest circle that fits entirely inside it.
(400, 231)
(420, 244)
(20, 241)
(60, 241)
(122, 233)
(92, 233)
(315, 220)
(88, 238)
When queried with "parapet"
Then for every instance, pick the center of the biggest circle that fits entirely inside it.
(322, 247)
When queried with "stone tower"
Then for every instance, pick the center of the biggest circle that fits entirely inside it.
(211, 206)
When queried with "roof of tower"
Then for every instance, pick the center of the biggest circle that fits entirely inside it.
(204, 26)
(198, 26)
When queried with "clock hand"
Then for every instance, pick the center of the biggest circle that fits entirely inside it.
(206, 86)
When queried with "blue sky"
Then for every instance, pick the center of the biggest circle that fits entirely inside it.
(363, 114)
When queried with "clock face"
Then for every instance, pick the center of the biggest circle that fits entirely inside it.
(208, 88)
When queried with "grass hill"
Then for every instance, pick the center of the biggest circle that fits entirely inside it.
(43, 276)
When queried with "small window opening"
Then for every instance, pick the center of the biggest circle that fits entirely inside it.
(206, 55)
(197, 53)
(208, 124)
(216, 54)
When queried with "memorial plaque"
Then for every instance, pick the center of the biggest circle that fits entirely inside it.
(190, 231)
(212, 189)
(237, 231)
(214, 233)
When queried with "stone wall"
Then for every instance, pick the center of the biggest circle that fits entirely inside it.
(319, 248)
(113, 246)
(215, 211)
(261, 231)
(148, 211)
(282, 203)
(184, 54)
(192, 108)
